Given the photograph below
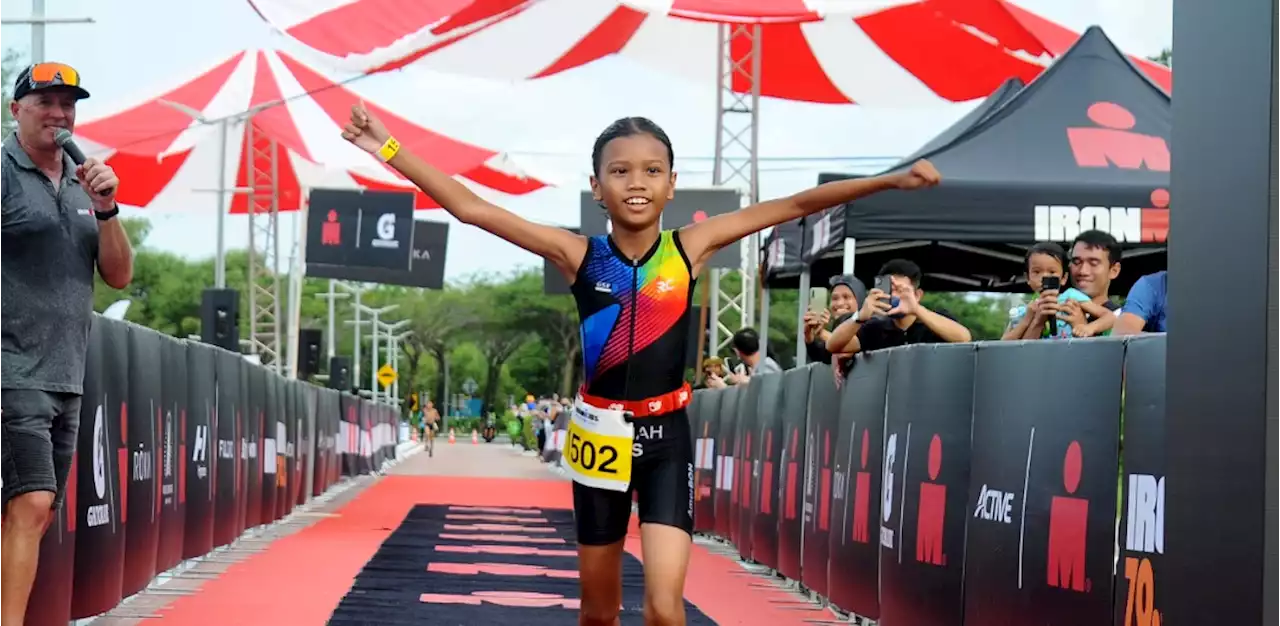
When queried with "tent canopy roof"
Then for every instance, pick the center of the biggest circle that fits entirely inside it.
(1091, 131)
(876, 52)
(1088, 120)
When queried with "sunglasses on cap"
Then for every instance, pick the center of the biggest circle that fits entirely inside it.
(48, 75)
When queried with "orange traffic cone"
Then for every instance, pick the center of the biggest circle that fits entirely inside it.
(450, 435)
(474, 438)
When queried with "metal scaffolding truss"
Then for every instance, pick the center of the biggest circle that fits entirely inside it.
(264, 248)
(736, 165)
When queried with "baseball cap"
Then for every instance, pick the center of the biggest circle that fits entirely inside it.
(849, 280)
(47, 76)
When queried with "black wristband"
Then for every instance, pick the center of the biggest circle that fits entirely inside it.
(106, 215)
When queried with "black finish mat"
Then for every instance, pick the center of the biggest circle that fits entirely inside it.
(463, 565)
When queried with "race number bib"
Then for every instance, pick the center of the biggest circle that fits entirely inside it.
(598, 452)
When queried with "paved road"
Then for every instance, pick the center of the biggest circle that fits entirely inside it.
(499, 459)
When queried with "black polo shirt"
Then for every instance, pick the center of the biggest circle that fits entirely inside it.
(880, 332)
(48, 252)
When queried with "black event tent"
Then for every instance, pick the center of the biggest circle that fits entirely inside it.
(780, 255)
(1083, 146)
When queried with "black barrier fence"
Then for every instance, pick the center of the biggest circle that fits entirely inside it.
(950, 484)
(182, 446)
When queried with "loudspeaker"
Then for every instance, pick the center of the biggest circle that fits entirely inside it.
(308, 352)
(340, 373)
(220, 318)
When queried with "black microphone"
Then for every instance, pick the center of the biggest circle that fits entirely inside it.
(63, 137)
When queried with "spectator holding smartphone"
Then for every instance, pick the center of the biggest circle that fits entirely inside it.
(884, 323)
(1054, 312)
(1095, 262)
(847, 294)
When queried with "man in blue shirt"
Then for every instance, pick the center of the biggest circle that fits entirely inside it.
(1144, 309)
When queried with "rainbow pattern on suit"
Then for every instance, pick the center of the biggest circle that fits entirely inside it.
(655, 295)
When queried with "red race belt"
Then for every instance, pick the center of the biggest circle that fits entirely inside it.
(648, 407)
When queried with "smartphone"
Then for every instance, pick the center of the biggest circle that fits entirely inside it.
(885, 284)
(1051, 283)
(818, 299)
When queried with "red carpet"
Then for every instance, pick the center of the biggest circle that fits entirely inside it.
(302, 578)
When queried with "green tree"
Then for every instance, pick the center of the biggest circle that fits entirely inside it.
(502, 313)
(10, 65)
(552, 357)
(436, 321)
(1164, 58)
(985, 317)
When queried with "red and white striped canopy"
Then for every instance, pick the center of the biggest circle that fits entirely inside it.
(167, 159)
(874, 52)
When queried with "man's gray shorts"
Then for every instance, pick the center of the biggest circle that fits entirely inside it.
(39, 439)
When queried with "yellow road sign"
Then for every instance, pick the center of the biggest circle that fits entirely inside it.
(386, 375)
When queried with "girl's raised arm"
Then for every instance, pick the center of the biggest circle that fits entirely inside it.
(703, 239)
(561, 247)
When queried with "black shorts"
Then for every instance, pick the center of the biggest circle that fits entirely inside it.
(39, 439)
(661, 478)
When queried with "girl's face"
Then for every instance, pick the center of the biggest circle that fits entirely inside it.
(842, 301)
(1041, 265)
(635, 181)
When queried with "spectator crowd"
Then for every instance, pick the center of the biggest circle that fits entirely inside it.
(1070, 298)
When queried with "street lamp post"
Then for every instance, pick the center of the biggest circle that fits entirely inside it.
(38, 21)
(374, 314)
(393, 352)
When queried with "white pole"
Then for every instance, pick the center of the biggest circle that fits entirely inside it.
(333, 301)
(373, 362)
(37, 31)
(355, 357)
(220, 260)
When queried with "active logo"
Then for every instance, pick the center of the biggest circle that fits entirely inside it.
(994, 506)
(386, 231)
(933, 510)
(1068, 525)
(331, 230)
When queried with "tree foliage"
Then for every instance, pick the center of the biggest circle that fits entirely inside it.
(10, 65)
(1164, 58)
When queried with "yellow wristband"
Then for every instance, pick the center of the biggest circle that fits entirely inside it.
(389, 149)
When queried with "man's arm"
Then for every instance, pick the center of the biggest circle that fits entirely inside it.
(944, 327)
(844, 339)
(115, 254)
(703, 239)
(1128, 324)
(1138, 308)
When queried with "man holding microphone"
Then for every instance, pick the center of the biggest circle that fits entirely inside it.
(59, 223)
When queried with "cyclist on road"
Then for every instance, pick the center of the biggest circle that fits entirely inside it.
(628, 430)
(430, 425)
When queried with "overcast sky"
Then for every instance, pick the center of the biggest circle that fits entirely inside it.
(548, 124)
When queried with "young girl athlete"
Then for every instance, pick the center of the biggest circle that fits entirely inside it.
(628, 430)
